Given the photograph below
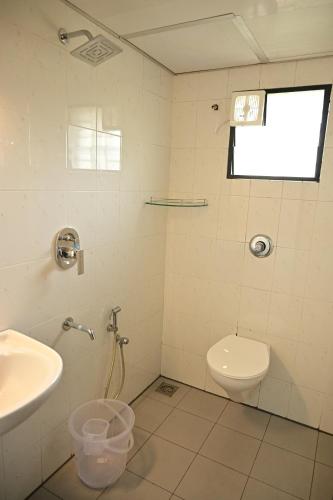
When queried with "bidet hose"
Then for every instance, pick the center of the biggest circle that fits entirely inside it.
(116, 396)
(113, 361)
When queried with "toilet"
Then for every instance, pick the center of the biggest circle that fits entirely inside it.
(238, 365)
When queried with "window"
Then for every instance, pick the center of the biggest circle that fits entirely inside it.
(290, 143)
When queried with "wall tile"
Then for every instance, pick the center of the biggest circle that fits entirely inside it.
(317, 322)
(314, 71)
(284, 318)
(266, 189)
(207, 174)
(182, 167)
(277, 75)
(326, 422)
(229, 262)
(326, 180)
(258, 272)
(263, 217)
(212, 130)
(185, 87)
(309, 369)
(274, 396)
(254, 308)
(290, 272)
(212, 84)
(184, 118)
(233, 218)
(305, 406)
(319, 283)
(296, 224)
(246, 78)
(282, 360)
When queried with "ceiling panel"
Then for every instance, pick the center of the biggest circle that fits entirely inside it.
(200, 47)
(295, 33)
(284, 29)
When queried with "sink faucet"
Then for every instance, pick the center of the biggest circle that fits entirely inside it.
(70, 323)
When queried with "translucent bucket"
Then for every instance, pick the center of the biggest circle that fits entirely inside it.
(102, 436)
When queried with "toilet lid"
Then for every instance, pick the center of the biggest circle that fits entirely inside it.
(239, 357)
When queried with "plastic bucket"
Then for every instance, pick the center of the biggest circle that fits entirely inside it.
(102, 436)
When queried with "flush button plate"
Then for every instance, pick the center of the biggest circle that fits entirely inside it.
(261, 245)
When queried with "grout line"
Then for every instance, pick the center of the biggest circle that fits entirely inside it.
(314, 466)
(142, 392)
(238, 431)
(49, 491)
(145, 479)
(255, 458)
(276, 488)
(289, 451)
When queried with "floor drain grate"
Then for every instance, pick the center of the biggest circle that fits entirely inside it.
(167, 389)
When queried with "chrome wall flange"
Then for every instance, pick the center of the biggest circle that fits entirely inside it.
(261, 245)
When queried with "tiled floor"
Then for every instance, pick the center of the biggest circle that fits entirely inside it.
(197, 446)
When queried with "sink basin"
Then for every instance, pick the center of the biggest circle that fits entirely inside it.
(29, 372)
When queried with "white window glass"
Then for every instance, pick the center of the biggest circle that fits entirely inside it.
(287, 145)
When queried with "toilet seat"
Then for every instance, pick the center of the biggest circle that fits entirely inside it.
(239, 358)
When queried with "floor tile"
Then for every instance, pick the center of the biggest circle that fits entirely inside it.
(132, 487)
(231, 448)
(149, 414)
(283, 469)
(255, 490)
(325, 449)
(43, 494)
(322, 487)
(171, 401)
(161, 462)
(185, 429)
(203, 404)
(207, 480)
(244, 419)
(66, 484)
(292, 436)
(140, 437)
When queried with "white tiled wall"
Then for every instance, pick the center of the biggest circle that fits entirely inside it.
(214, 286)
(41, 87)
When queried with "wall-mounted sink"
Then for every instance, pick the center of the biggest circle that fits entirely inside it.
(29, 372)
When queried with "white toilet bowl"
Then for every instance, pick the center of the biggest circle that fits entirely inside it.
(238, 365)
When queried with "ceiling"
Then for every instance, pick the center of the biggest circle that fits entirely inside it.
(192, 35)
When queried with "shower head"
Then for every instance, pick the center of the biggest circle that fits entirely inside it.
(97, 50)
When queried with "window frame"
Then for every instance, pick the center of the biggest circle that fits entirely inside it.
(326, 103)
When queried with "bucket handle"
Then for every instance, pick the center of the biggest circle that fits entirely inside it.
(124, 450)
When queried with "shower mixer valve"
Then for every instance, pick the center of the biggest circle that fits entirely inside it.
(68, 251)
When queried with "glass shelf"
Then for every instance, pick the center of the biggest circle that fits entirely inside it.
(178, 202)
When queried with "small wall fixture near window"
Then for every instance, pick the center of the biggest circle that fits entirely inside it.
(289, 144)
(89, 149)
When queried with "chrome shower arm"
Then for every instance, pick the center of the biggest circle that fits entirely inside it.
(64, 36)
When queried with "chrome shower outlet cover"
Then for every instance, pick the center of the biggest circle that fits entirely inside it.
(261, 245)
